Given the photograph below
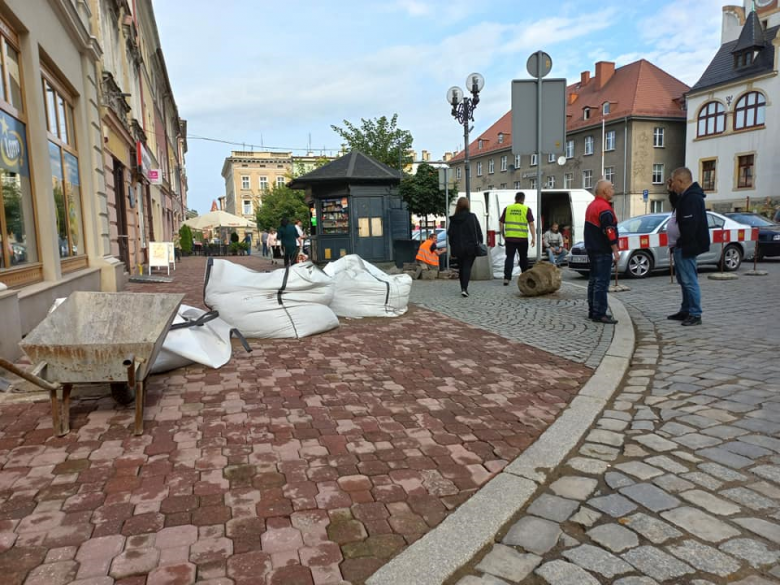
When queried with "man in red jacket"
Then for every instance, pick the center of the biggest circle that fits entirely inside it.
(601, 242)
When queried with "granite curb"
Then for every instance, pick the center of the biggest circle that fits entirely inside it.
(440, 553)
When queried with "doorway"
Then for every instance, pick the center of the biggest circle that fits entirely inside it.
(120, 203)
(370, 239)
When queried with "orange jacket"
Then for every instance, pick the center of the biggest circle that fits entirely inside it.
(424, 254)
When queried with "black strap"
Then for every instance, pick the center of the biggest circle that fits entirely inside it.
(238, 335)
(209, 264)
(199, 322)
(284, 285)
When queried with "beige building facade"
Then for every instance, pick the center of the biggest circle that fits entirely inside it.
(250, 175)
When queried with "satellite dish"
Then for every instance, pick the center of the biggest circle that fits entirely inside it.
(561, 160)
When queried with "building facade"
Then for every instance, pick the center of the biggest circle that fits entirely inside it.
(733, 120)
(625, 124)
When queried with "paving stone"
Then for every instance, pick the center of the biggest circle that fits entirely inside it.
(483, 580)
(136, 561)
(586, 517)
(724, 457)
(642, 425)
(754, 580)
(768, 530)
(721, 472)
(639, 469)
(613, 537)
(656, 563)
(696, 441)
(724, 432)
(650, 496)
(597, 560)
(703, 480)
(605, 437)
(613, 424)
(655, 530)
(762, 441)
(749, 498)
(655, 442)
(552, 508)
(563, 573)
(503, 561)
(624, 416)
(746, 450)
(603, 452)
(636, 581)
(60, 573)
(698, 421)
(700, 524)
(586, 465)
(535, 535)
(667, 463)
(574, 488)
(672, 483)
(617, 480)
(754, 552)
(705, 558)
(770, 472)
(768, 489)
(710, 503)
(614, 505)
(676, 429)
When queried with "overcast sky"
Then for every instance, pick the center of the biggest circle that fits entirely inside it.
(278, 74)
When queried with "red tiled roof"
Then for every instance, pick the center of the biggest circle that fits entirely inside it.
(636, 89)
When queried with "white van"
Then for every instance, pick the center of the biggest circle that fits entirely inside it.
(566, 207)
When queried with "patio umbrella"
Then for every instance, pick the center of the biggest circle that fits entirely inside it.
(217, 219)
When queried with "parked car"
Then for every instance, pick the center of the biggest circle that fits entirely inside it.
(441, 236)
(640, 262)
(768, 232)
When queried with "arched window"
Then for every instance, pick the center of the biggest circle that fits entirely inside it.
(749, 111)
(712, 119)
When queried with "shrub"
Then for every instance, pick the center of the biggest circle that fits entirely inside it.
(185, 239)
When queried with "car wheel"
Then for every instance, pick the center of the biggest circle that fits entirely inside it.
(732, 258)
(639, 265)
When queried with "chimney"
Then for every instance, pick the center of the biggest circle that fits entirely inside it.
(584, 78)
(426, 156)
(604, 72)
(447, 156)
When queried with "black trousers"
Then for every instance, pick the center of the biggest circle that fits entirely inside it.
(465, 262)
(511, 247)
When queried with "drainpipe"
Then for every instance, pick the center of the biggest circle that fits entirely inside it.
(625, 163)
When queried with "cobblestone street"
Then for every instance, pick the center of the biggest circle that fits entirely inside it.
(679, 482)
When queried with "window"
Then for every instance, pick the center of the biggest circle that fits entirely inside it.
(609, 174)
(458, 172)
(517, 185)
(502, 186)
(533, 183)
(501, 138)
(63, 156)
(263, 183)
(18, 243)
(656, 206)
(749, 111)
(280, 181)
(247, 207)
(479, 169)
(589, 145)
(503, 163)
(609, 140)
(491, 166)
(658, 174)
(708, 175)
(479, 144)
(585, 113)
(587, 179)
(549, 182)
(245, 182)
(551, 158)
(569, 149)
(605, 108)
(658, 137)
(533, 160)
(743, 59)
(712, 119)
(517, 161)
(568, 180)
(745, 171)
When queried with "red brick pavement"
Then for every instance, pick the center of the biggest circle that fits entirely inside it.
(310, 461)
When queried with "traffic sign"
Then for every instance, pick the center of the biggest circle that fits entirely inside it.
(645, 195)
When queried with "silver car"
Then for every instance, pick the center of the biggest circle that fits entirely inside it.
(639, 262)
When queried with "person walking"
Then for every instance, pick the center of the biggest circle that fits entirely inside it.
(248, 242)
(553, 241)
(515, 223)
(288, 236)
(694, 239)
(264, 241)
(272, 243)
(601, 242)
(465, 234)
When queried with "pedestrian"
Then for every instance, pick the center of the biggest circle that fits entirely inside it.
(272, 243)
(694, 239)
(288, 236)
(428, 254)
(248, 242)
(465, 235)
(553, 241)
(264, 241)
(601, 242)
(299, 229)
(515, 223)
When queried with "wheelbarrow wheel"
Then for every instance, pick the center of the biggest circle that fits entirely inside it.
(122, 392)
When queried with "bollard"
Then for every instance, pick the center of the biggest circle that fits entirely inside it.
(756, 271)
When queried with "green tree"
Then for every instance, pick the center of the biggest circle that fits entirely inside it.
(422, 194)
(185, 239)
(380, 139)
(281, 202)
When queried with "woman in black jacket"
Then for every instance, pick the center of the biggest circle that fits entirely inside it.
(465, 234)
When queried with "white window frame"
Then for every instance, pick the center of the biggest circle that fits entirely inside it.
(656, 206)
(491, 166)
(533, 160)
(518, 185)
(518, 160)
(609, 174)
(479, 144)
(587, 179)
(609, 140)
(247, 204)
(585, 113)
(569, 149)
(589, 145)
(549, 182)
(568, 180)
(658, 137)
(280, 181)
(458, 172)
(551, 158)
(533, 183)
(263, 183)
(503, 163)
(479, 169)
(658, 173)
(605, 108)
(501, 138)
(245, 182)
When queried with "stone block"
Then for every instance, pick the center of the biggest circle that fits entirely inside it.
(542, 279)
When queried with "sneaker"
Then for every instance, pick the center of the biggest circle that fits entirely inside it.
(606, 319)
(506, 282)
(680, 316)
(691, 320)
(464, 293)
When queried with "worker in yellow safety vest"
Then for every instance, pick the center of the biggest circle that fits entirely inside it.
(516, 222)
(428, 254)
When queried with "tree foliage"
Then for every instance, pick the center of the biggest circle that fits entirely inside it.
(380, 139)
(282, 202)
(421, 192)
(185, 239)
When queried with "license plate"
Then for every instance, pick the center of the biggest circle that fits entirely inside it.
(578, 259)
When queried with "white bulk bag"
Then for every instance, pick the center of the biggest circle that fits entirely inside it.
(195, 336)
(284, 303)
(497, 259)
(363, 290)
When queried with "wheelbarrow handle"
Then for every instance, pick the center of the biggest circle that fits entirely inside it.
(40, 382)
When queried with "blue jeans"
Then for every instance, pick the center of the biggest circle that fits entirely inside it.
(598, 283)
(688, 277)
(557, 258)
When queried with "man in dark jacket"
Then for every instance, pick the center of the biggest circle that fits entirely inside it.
(694, 239)
(288, 236)
(601, 242)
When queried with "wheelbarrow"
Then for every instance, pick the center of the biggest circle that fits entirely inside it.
(98, 337)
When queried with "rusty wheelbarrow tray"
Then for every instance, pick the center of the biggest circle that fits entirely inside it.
(98, 337)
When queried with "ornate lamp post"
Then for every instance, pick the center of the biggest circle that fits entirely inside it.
(463, 111)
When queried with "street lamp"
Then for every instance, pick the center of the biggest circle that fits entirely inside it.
(463, 111)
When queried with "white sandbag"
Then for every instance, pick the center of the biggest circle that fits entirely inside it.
(363, 290)
(271, 305)
(207, 343)
(497, 259)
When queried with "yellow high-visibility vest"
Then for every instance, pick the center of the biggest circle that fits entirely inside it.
(516, 221)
